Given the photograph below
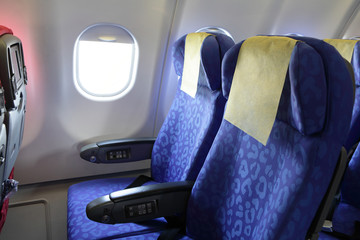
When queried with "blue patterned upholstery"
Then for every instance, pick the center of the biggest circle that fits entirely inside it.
(354, 133)
(346, 215)
(249, 191)
(180, 148)
(327, 236)
(348, 209)
(343, 222)
(152, 236)
(81, 228)
(191, 125)
(350, 190)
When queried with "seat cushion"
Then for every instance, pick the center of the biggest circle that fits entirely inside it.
(350, 192)
(344, 218)
(343, 221)
(326, 236)
(80, 227)
(152, 236)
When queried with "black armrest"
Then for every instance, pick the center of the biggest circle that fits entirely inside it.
(118, 151)
(141, 203)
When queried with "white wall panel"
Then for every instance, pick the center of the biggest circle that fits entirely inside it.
(320, 19)
(352, 28)
(59, 119)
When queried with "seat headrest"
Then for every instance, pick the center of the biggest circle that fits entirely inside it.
(303, 97)
(211, 53)
(350, 50)
(355, 62)
(5, 30)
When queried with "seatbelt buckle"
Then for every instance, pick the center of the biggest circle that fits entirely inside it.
(327, 226)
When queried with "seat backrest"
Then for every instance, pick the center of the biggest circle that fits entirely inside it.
(350, 195)
(192, 122)
(13, 79)
(350, 50)
(272, 190)
(3, 141)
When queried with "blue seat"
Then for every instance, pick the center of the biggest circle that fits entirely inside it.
(182, 143)
(249, 188)
(346, 214)
(350, 51)
(274, 191)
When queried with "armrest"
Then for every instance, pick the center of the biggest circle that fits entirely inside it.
(141, 203)
(118, 151)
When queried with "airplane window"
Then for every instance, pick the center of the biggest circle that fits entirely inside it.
(105, 62)
(215, 30)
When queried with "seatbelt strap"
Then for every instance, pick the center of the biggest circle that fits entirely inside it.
(169, 234)
(139, 181)
(176, 224)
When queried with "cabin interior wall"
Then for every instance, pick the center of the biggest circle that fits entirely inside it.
(59, 120)
(351, 28)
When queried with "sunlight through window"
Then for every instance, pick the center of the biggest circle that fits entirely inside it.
(105, 59)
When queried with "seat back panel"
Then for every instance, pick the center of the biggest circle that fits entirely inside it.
(191, 124)
(250, 191)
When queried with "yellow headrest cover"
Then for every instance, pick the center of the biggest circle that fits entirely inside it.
(191, 68)
(257, 84)
(344, 46)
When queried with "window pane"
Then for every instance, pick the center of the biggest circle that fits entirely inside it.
(105, 61)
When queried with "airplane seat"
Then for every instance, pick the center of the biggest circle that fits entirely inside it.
(346, 214)
(13, 79)
(4, 202)
(287, 114)
(350, 50)
(274, 191)
(180, 148)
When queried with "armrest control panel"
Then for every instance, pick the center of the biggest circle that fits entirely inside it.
(142, 209)
(141, 203)
(118, 154)
(118, 151)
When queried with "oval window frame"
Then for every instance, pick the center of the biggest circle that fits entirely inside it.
(214, 29)
(103, 33)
